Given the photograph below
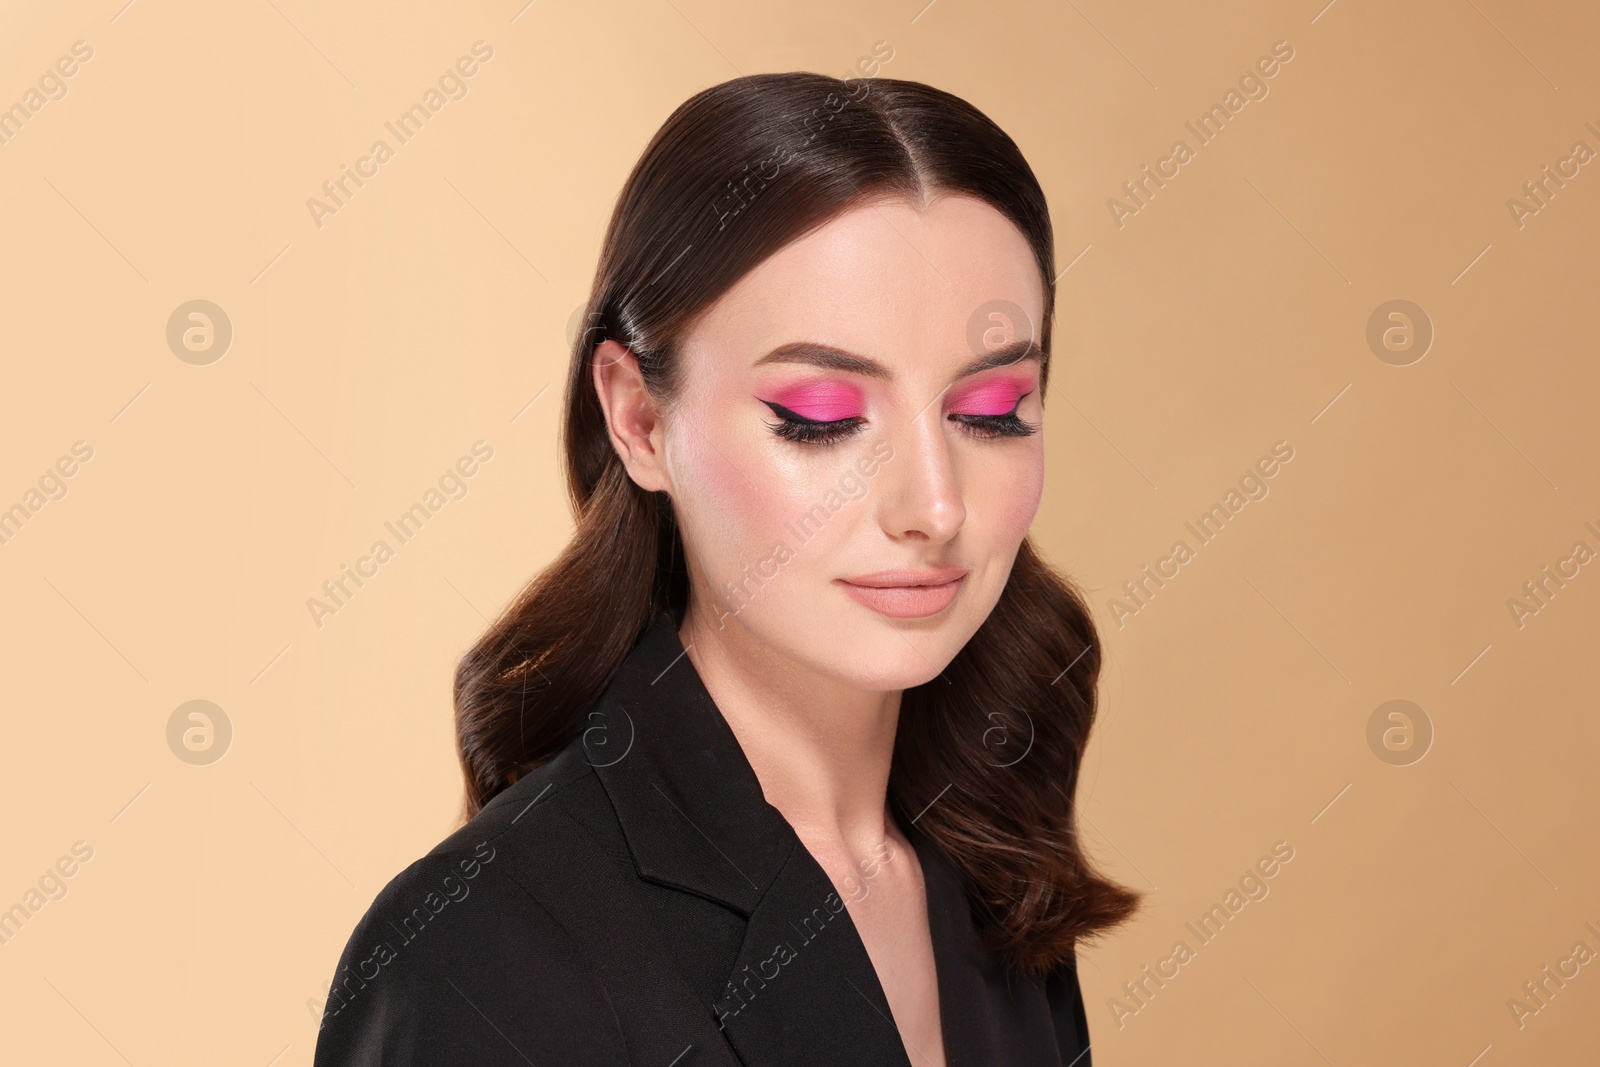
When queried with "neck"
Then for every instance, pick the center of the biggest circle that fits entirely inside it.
(820, 748)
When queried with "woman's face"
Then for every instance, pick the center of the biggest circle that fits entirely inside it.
(831, 428)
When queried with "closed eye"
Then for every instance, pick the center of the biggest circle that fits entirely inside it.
(795, 427)
(1007, 425)
(798, 428)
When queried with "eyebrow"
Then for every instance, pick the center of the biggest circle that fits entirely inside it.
(830, 358)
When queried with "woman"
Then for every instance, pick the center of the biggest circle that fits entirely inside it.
(775, 763)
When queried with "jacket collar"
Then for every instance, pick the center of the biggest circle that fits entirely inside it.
(688, 800)
(803, 989)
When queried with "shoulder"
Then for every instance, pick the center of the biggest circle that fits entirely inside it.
(464, 951)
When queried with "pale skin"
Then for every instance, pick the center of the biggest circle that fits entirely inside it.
(808, 678)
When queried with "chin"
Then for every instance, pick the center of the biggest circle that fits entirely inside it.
(886, 654)
(895, 670)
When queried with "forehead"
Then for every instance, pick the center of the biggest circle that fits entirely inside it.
(896, 281)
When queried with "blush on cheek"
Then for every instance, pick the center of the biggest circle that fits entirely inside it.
(738, 500)
(822, 401)
(1018, 502)
(997, 396)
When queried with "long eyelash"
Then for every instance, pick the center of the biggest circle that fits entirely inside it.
(793, 427)
(1007, 425)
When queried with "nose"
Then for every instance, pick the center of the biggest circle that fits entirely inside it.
(920, 496)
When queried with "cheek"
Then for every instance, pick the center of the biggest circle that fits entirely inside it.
(735, 499)
(1012, 496)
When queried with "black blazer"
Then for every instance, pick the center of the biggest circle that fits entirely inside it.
(637, 901)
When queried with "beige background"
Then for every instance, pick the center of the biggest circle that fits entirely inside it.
(431, 312)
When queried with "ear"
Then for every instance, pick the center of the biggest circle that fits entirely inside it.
(632, 416)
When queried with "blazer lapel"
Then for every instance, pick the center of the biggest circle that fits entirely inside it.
(989, 1015)
(802, 989)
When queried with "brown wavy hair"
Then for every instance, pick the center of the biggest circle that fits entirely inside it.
(737, 172)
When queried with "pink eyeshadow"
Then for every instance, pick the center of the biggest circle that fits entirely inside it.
(997, 396)
(822, 401)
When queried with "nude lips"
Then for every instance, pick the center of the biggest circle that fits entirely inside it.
(894, 595)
